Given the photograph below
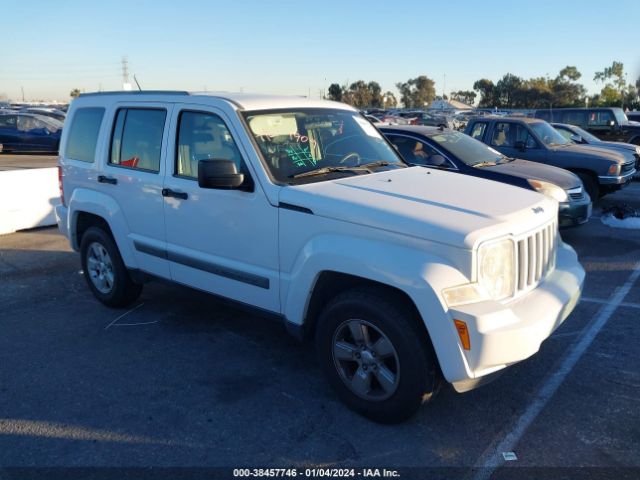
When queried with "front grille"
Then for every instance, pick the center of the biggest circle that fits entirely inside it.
(627, 168)
(576, 193)
(536, 256)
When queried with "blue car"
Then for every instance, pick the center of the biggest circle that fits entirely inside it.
(26, 132)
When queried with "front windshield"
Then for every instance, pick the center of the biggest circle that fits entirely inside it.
(467, 149)
(293, 142)
(548, 134)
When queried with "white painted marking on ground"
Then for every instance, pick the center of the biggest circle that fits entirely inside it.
(133, 324)
(124, 315)
(509, 456)
(489, 462)
(622, 304)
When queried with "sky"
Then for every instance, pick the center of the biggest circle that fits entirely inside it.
(301, 47)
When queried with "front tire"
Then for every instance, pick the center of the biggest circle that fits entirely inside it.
(374, 355)
(104, 270)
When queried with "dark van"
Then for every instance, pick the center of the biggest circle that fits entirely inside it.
(609, 124)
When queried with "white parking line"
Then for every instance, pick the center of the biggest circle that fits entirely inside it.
(124, 315)
(599, 300)
(492, 459)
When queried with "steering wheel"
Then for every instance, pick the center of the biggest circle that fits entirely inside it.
(350, 155)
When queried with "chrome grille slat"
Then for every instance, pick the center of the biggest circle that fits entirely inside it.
(535, 257)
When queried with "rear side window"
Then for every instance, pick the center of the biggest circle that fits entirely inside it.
(83, 134)
(137, 138)
(600, 118)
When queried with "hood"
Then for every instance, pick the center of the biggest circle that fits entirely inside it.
(538, 171)
(435, 205)
(593, 151)
(630, 147)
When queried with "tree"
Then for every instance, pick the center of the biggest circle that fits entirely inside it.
(488, 94)
(567, 93)
(614, 74)
(417, 92)
(464, 96)
(335, 92)
(569, 73)
(376, 95)
(75, 93)
(389, 101)
(510, 92)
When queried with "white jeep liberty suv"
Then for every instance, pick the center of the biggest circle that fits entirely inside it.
(401, 275)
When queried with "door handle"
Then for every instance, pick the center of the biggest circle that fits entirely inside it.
(167, 192)
(111, 180)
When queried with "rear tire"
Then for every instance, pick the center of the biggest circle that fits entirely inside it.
(590, 185)
(374, 355)
(104, 270)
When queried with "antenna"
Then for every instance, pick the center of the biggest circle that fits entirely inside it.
(136, 80)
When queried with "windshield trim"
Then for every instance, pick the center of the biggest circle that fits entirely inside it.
(243, 114)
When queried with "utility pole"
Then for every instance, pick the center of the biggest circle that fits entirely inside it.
(22, 88)
(125, 74)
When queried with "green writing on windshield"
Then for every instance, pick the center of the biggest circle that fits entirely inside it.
(300, 155)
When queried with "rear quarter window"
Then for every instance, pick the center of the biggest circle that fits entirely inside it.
(83, 134)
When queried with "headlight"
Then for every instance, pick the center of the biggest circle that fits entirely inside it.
(496, 276)
(637, 150)
(496, 268)
(549, 189)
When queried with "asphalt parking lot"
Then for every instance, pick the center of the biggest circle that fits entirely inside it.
(23, 161)
(185, 380)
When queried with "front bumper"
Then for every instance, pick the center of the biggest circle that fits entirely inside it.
(62, 218)
(571, 214)
(503, 334)
(616, 180)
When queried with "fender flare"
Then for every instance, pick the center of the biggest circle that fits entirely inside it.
(420, 274)
(104, 206)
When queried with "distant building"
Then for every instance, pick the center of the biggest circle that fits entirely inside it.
(449, 105)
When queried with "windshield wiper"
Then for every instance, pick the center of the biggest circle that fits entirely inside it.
(366, 167)
(325, 170)
(379, 163)
(484, 164)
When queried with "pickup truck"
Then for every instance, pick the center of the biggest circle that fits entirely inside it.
(302, 210)
(601, 170)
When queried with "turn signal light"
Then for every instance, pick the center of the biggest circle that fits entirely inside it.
(463, 333)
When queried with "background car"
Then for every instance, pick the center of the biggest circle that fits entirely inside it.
(457, 152)
(601, 170)
(46, 112)
(609, 124)
(26, 132)
(633, 116)
(581, 136)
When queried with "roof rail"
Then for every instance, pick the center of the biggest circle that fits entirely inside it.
(132, 92)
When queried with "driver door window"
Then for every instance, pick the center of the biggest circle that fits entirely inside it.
(203, 136)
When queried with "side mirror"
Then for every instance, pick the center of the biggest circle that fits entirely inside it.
(576, 138)
(612, 123)
(520, 145)
(219, 174)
